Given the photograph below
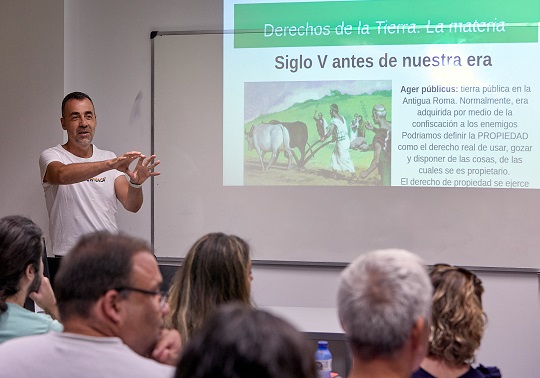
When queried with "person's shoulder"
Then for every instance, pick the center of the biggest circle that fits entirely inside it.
(52, 150)
(488, 371)
(421, 373)
(23, 343)
(146, 366)
(102, 154)
(24, 322)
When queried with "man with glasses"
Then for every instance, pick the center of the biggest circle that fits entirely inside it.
(109, 301)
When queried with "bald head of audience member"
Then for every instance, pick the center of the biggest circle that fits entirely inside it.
(384, 302)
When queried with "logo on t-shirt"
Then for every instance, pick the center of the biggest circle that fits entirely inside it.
(97, 179)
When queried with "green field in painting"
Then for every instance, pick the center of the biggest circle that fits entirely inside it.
(317, 171)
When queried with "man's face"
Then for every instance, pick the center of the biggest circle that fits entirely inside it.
(145, 317)
(79, 120)
(320, 115)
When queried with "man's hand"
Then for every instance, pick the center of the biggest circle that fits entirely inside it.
(45, 298)
(143, 169)
(168, 348)
(122, 163)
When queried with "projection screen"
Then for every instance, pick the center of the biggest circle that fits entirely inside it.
(395, 124)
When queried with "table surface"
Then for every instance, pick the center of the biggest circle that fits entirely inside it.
(309, 319)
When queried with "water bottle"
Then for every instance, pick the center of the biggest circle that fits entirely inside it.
(323, 359)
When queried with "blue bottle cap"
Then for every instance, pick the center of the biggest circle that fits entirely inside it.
(323, 344)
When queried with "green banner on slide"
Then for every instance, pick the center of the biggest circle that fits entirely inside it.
(385, 22)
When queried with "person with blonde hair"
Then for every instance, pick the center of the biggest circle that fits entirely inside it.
(458, 322)
(216, 270)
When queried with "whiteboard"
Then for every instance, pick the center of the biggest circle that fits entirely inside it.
(307, 224)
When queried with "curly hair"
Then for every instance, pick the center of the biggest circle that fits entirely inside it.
(216, 270)
(457, 317)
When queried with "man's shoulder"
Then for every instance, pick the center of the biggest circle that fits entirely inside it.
(53, 150)
(30, 322)
(56, 153)
(24, 343)
(98, 153)
(63, 354)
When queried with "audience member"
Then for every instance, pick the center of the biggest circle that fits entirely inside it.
(457, 327)
(216, 270)
(240, 342)
(384, 300)
(21, 276)
(109, 301)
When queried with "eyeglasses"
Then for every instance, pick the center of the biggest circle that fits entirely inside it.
(163, 295)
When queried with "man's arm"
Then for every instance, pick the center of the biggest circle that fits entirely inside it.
(329, 132)
(58, 173)
(131, 196)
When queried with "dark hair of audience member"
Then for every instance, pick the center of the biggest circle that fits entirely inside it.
(216, 270)
(240, 342)
(75, 96)
(20, 245)
(457, 317)
(99, 262)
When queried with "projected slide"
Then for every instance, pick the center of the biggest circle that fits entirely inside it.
(372, 93)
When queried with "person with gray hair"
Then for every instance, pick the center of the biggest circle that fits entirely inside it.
(384, 302)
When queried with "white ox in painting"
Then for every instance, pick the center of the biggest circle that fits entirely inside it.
(266, 137)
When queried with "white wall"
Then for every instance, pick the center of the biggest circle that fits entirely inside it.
(107, 55)
(31, 88)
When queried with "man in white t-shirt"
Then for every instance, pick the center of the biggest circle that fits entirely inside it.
(82, 183)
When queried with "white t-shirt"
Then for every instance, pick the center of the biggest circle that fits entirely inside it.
(77, 209)
(68, 355)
